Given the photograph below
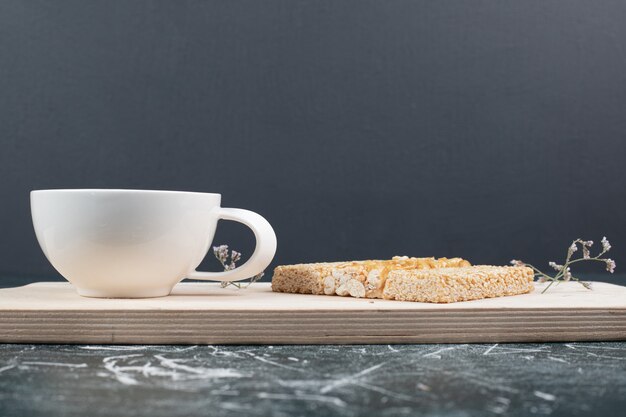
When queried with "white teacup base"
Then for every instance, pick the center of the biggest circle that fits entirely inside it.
(143, 293)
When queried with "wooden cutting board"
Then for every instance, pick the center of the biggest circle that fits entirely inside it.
(205, 313)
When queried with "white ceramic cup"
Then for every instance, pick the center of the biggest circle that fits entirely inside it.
(138, 243)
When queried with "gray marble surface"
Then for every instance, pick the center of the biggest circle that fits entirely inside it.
(571, 379)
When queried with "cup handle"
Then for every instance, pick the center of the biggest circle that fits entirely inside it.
(263, 252)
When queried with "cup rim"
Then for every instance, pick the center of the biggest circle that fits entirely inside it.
(116, 190)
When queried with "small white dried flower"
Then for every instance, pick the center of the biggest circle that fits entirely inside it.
(567, 275)
(586, 245)
(541, 279)
(573, 248)
(606, 246)
(610, 265)
(555, 266)
(515, 262)
(221, 253)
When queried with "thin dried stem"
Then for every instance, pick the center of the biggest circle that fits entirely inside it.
(228, 259)
(563, 272)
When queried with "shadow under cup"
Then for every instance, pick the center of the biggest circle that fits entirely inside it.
(124, 243)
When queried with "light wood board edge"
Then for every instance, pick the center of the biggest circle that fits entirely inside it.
(314, 327)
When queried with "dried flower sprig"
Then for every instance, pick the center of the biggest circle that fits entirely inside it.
(229, 259)
(564, 272)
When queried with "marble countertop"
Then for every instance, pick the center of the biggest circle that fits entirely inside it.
(570, 379)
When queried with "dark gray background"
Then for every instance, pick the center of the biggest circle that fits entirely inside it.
(361, 129)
